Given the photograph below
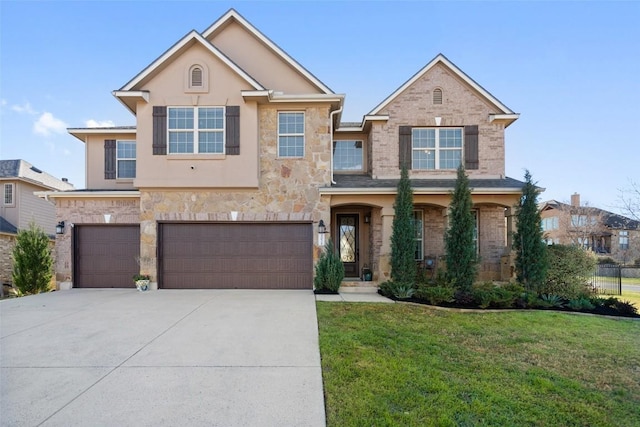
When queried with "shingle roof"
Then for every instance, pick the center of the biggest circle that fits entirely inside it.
(7, 227)
(21, 169)
(350, 124)
(365, 181)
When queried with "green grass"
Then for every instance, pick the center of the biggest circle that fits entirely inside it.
(408, 365)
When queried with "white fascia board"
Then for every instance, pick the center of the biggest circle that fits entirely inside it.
(88, 194)
(507, 119)
(81, 133)
(193, 35)
(374, 117)
(232, 13)
(331, 97)
(350, 129)
(440, 58)
(138, 95)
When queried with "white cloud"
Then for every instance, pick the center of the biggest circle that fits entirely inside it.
(47, 124)
(99, 123)
(25, 108)
(3, 102)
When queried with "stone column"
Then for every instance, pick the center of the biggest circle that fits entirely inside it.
(384, 266)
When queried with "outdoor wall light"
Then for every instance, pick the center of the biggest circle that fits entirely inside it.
(322, 230)
(60, 228)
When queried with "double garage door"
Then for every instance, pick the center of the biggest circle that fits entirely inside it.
(200, 255)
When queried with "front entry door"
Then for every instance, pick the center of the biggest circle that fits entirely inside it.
(348, 244)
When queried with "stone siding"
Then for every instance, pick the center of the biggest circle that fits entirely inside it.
(7, 243)
(88, 211)
(288, 187)
(460, 106)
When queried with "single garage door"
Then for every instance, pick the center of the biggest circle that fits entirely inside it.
(105, 255)
(236, 255)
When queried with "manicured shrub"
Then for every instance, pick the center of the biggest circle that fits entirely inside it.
(580, 304)
(329, 270)
(487, 294)
(551, 301)
(403, 244)
(400, 290)
(435, 295)
(531, 251)
(461, 255)
(32, 261)
(570, 268)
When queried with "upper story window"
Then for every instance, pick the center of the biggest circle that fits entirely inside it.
(436, 148)
(437, 96)
(550, 223)
(347, 156)
(9, 199)
(623, 238)
(290, 134)
(125, 159)
(195, 130)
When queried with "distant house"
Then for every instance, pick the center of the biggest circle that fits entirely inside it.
(19, 206)
(605, 233)
(239, 159)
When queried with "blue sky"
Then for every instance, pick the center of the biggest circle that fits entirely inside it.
(571, 69)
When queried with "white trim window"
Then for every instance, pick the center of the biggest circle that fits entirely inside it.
(436, 148)
(623, 240)
(347, 155)
(291, 134)
(125, 159)
(418, 223)
(9, 194)
(196, 130)
(550, 223)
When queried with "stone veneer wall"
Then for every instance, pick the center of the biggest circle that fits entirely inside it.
(288, 187)
(7, 243)
(88, 211)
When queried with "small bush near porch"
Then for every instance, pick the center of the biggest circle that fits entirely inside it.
(408, 365)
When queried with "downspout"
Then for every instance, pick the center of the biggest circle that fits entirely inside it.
(339, 110)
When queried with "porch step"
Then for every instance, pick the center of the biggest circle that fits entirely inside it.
(358, 286)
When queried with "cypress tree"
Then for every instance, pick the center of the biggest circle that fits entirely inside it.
(32, 261)
(461, 258)
(403, 244)
(531, 251)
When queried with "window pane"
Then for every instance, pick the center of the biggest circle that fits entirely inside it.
(450, 159)
(126, 168)
(424, 159)
(210, 118)
(450, 138)
(423, 138)
(180, 142)
(126, 150)
(210, 142)
(291, 146)
(289, 123)
(180, 118)
(347, 155)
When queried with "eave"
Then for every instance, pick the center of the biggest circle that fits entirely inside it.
(271, 97)
(89, 194)
(505, 119)
(417, 191)
(130, 99)
(83, 133)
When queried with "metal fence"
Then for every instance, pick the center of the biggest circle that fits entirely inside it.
(607, 279)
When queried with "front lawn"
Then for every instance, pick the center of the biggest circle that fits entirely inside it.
(408, 365)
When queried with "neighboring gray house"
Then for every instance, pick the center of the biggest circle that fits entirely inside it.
(19, 179)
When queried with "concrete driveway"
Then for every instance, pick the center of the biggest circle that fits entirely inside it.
(161, 358)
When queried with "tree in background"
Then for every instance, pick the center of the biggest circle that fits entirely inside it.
(460, 251)
(630, 200)
(531, 251)
(32, 261)
(403, 244)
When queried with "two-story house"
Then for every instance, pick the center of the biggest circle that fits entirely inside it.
(239, 160)
(19, 206)
(608, 234)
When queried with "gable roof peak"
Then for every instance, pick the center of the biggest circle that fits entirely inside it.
(234, 15)
(441, 59)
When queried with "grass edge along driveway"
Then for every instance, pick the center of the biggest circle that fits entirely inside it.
(408, 365)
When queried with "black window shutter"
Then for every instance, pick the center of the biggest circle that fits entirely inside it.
(471, 147)
(404, 144)
(159, 130)
(109, 159)
(232, 142)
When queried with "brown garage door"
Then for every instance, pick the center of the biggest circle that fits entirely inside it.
(105, 255)
(236, 255)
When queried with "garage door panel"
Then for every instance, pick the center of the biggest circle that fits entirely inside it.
(105, 255)
(242, 255)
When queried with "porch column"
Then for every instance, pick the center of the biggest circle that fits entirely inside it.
(509, 214)
(384, 266)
